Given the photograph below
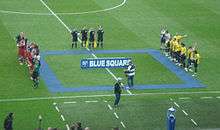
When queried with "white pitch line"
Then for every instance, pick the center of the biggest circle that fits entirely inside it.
(116, 115)
(51, 11)
(70, 102)
(176, 104)
(91, 101)
(123, 125)
(62, 117)
(184, 98)
(55, 16)
(58, 110)
(194, 122)
(171, 99)
(67, 13)
(105, 101)
(206, 97)
(109, 106)
(185, 112)
(67, 127)
(104, 95)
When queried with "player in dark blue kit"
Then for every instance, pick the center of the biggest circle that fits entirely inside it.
(84, 33)
(74, 34)
(100, 34)
(91, 38)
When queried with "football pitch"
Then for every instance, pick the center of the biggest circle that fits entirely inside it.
(69, 94)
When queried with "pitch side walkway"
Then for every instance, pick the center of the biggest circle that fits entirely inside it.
(54, 84)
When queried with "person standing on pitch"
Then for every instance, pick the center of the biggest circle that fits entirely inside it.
(8, 122)
(117, 91)
(100, 34)
(130, 72)
(74, 34)
(84, 33)
(91, 38)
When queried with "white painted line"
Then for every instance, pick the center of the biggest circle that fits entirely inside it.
(176, 104)
(62, 117)
(67, 13)
(70, 32)
(194, 122)
(123, 125)
(185, 113)
(91, 101)
(171, 99)
(104, 95)
(55, 16)
(116, 115)
(109, 106)
(69, 102)
(218, 97)
(105, 101)
(67, 127)
(184, 98)
(129, 92)
(206, 97)
(58, 110)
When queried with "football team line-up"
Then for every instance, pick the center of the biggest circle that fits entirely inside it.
(175, 49)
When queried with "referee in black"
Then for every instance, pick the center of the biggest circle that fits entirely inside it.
(91, 38)
(100, 34)
(84, 33)
(117, 91)
(74, 34)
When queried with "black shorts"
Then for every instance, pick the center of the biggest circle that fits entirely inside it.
(35, 75)
(100, 40)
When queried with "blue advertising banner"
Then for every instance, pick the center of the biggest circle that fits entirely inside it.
(120, 62)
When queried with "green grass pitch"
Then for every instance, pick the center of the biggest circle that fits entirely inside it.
(134, 25)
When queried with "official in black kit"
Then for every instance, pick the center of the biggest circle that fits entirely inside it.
(91, 38)
(100, 34)
(74, 34)
(84, 33)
